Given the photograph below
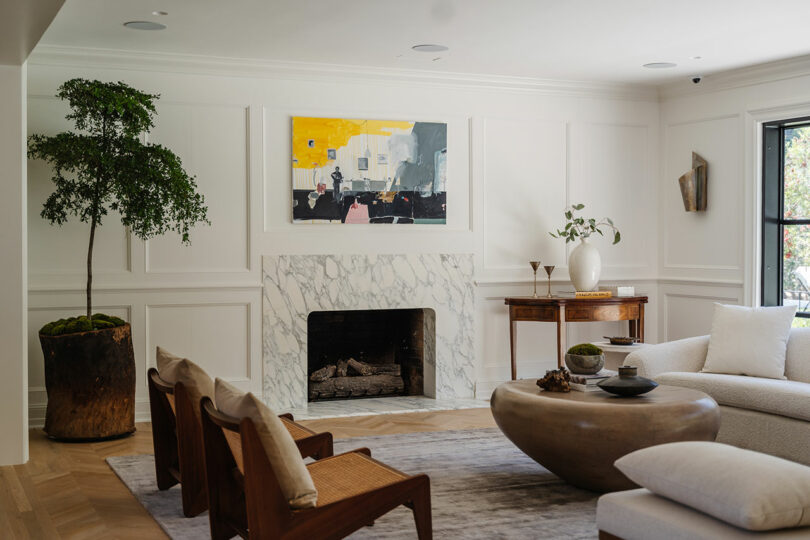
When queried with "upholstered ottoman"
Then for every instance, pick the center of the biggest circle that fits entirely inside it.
(639, 514)
(700, 490)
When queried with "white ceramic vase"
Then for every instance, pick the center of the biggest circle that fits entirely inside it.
(584, 266)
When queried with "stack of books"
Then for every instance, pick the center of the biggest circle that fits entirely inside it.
(585, 294)
(587, 383)
(604, 292)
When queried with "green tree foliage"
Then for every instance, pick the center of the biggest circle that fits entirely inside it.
(104, 166)
(797, 205)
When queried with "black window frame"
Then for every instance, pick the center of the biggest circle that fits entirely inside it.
(773, 210)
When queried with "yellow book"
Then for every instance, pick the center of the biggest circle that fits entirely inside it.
(593, 294)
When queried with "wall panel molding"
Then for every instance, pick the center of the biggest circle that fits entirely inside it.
(725, 153)
(696, 320)
(223, 361)
(225, 172)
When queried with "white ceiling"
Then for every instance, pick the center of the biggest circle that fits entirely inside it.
(597, 40)
(21, 25)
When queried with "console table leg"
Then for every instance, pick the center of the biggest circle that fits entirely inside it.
(512, 346)
(560, 336)
(640, 325)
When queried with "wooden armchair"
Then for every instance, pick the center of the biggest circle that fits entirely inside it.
(178, 442)
(353, 489)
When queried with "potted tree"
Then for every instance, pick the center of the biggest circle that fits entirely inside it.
(89, 360)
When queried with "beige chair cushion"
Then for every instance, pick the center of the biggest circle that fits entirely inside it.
(783, 398)
(753, 491)
(174, 369)
(293, 477)
(749, 341)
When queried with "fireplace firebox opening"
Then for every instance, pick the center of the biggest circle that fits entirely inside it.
(368, 353)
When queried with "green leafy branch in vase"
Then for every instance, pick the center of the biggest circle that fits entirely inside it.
(579, 227)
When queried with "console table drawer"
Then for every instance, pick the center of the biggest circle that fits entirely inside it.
(621, 312)
(533, 313)
(578, 313)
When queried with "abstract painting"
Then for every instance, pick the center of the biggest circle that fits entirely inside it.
(336, 180)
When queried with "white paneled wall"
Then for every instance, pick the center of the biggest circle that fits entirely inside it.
(712, 257)
(524, 188)
(212, 141)
(517, 156)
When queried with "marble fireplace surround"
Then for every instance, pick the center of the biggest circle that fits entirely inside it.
(296, 285)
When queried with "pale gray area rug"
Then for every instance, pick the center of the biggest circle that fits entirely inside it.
(482, 487)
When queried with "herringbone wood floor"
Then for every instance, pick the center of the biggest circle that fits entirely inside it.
(68, 491)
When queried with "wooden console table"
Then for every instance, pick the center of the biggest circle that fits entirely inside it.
(561, 310)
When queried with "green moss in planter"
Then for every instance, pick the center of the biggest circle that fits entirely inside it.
(585, 349)
(74, 325)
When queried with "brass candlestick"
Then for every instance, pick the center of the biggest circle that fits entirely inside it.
(535, 266)
(549, 270)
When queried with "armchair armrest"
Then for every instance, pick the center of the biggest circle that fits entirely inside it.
(682, 355)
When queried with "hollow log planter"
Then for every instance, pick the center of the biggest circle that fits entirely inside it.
(90, 381)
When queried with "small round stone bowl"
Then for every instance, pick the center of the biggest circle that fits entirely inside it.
(584, 364)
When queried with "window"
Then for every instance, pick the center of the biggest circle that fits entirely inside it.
(786, 216)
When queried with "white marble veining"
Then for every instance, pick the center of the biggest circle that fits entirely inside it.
(296, 285)
(384, 405)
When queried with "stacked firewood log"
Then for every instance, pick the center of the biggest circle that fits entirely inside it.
(353, 378)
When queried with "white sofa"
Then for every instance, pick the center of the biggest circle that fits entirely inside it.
(767, 415)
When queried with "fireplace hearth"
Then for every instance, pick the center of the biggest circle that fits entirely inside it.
(368, 353)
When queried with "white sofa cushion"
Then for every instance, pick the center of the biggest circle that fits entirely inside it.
(797, 359)
(784, 398)
(748, 489)
(639, 514)
(749, 341)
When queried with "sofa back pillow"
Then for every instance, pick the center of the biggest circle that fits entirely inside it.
(292, 475)
(749, 341)
(758, 492)
(174, 369)
(797, 358)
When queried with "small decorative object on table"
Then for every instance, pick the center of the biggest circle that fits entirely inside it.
(535, 266)
(555, 381)
(627, 383)
(549, 270)
(620, 340)
(588, 383)
(584, 262)
(585, 359)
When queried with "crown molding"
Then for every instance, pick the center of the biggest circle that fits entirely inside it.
(769, 72)
(49, 55)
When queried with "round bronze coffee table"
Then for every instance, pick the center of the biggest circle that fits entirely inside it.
(578, 435)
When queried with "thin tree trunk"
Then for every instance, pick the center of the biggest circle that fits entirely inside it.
(90, 267)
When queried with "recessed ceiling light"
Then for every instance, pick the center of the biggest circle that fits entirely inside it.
(697, 58)
(144, 25)
(160, 13)
(660, 65)
(429, 48)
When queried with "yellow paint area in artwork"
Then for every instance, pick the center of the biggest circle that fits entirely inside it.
(312, 137)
